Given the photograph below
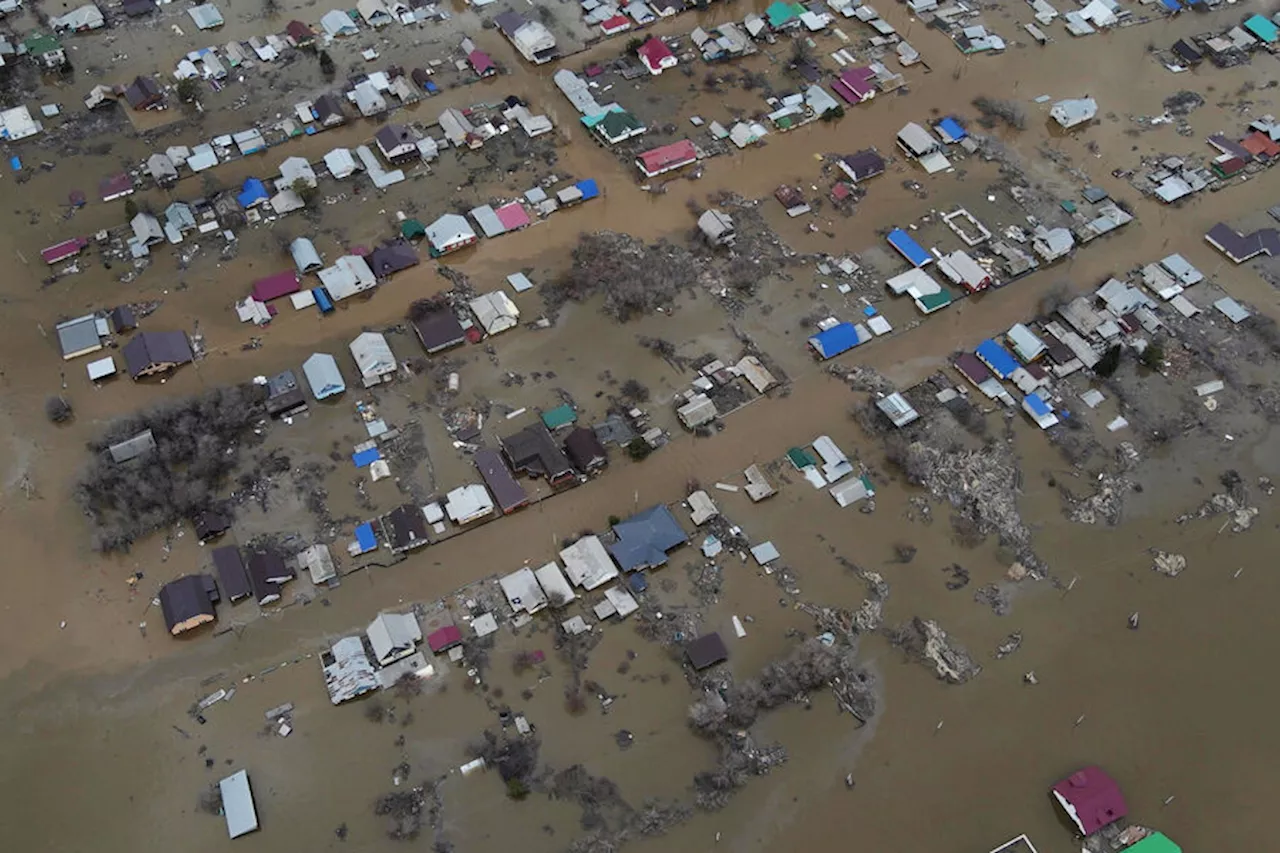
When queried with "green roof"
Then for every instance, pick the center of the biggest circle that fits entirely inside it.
(412, 228)
(39, 43)
(780, 13)
(562, 415)
(618, 122)
(866, 482)
(801, 458)
(1156, 842)
(931, 302)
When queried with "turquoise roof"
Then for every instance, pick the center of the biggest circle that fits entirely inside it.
(1263, 29)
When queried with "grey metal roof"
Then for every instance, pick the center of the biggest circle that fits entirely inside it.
(323, 375)
(78, 336)
(132, 448)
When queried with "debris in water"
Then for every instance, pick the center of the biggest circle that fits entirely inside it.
(1030, 677)
(1009, 645)
(1133, 621)
(1167, 564)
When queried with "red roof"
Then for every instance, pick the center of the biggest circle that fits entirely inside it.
(62, 251)
(668, 157)
(512, 216)
(116, 186)
(299, 31)
(655, 54)
(275, 286)
(1091, 798)
(481, 62)
(1260, 145)
(445, 638)
(854, 84)
(616, 24)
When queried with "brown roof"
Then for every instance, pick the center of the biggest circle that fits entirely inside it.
(497, 476)
(392, 257)
(148, 349)
(405, 528)
(585, 450)
(231, 571)
(439, 330)
(707, 650)
(186, 603)
(299, 31)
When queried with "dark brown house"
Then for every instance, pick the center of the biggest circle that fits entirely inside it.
(149, 353)
(144, 93)
(585, 450)
(328, 110)
(405, 528)
(231, 571)
(497, 476)
(266, 572)
(187, 603)
(439, 330)
(532, 451)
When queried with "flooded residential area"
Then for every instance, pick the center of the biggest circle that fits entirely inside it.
(644, 425)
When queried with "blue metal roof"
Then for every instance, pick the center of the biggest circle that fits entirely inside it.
(637, 581)
(251, 193)
(645, 538)
(366, 457)
(997, 358)
(952, 128)
(835, 340)
(1038, 406)
(909, 248)
(1171, 5)
(365, 537)
(588, 188)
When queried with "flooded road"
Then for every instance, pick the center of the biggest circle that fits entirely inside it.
(98, 723)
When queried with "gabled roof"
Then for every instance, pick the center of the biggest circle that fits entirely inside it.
(392, 258)
(1091, 798)
(645, 538)
(497, 476)
(532, 450)
(148, 349)
(186, 604)
(439, 330)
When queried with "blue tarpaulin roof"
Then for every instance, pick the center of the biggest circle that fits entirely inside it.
(952, 129)
(835, 340)
(365, 537)
(251, 193)
(1171, 5)
(909, 248)
(366, 457)
(997, 358)
(645, 538)
(588, 188)
(1038, 406)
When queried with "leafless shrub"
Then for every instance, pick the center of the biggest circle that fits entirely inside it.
(58, 410)
(996, 111)
(635, 277)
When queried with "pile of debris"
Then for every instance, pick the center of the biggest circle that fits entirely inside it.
(923, 640)
(1234, 501)
(1104, 505)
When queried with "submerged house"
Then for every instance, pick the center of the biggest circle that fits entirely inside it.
(439, 330)
(532, 451)
(323, 375)
(667, 158)
(450, 233)
(347, 671)
(232, 572)
(645, 538)
(150, 353)
(497, 476)
(1091, 799)
(584, 449)
(373, 357)
(144, 93)
(405, 529)
(393, 636)
(187, 603)
(531, 38)
(392, 258)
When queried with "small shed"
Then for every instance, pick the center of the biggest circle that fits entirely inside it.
(305, 256)
(237, 804)
(706, 651)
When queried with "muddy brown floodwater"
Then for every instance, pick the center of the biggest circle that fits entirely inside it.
(99, 752)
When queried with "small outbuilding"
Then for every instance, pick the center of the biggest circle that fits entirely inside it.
(706, 651)
(305, 256)
(237, 804)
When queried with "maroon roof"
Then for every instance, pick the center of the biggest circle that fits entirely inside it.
(277, 285)
(497, 476)
(445, 638)
(972, 368)
(299, 31)
(62, 251)
(114, 186)
(1091, 798)
(481, 62)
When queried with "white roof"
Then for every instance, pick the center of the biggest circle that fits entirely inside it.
(468, 503)
(377, 172)
(701, 507)
(1182, 270)
(835, 463)
(934, 162)
(970, 271)
(323, 375)
(915, 282)
(522, 591)
(897, 409)
(319, 563)
(305, 256)
(1025, 343)
(206, 17)
(17, 123)
(101, 368)
(237, 804)
(294, 168)
(350, 674)
(393, 636)
(372, 10)
(87, 17)
(587, 563)
(340, 163)
(373, 354)
(337, 23)
(623, 602)
(850, 491)
(202, 157)
(286, 201)
(495, 311)
(449, 230)
(918, 140)
(349, 275)
(554, 584)
(1073, 111)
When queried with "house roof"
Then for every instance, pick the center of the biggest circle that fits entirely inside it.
(185, 604)
(1091, 798)
(481, 62)
(305, 256)
(276, 285)
(405, 527)
(393, 636)
(231, 572)
(449, 230)
(909, 248)
(616, 123)
(392, 257)
(151, 348)
(115, 186)
(918, 140)
(138, 8)
(438, 330)
(78, 336)
(513, 216)
(655, 53)
(997, 358)
(38, 44)
(237, 804)
(327, 106)
(1156, 842)
(323, 375)
(584, 448)
(143, 91)
(864, 164)
(252, 192)
(708, 650)
(533, 451)
(497, 476)
(131, 448)
(298, 31)
(834, 341)
(587, 563)
(372, 354)
(392, 136)
(668, 156)
(562, 415)
(645, 538)
(444, 638)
